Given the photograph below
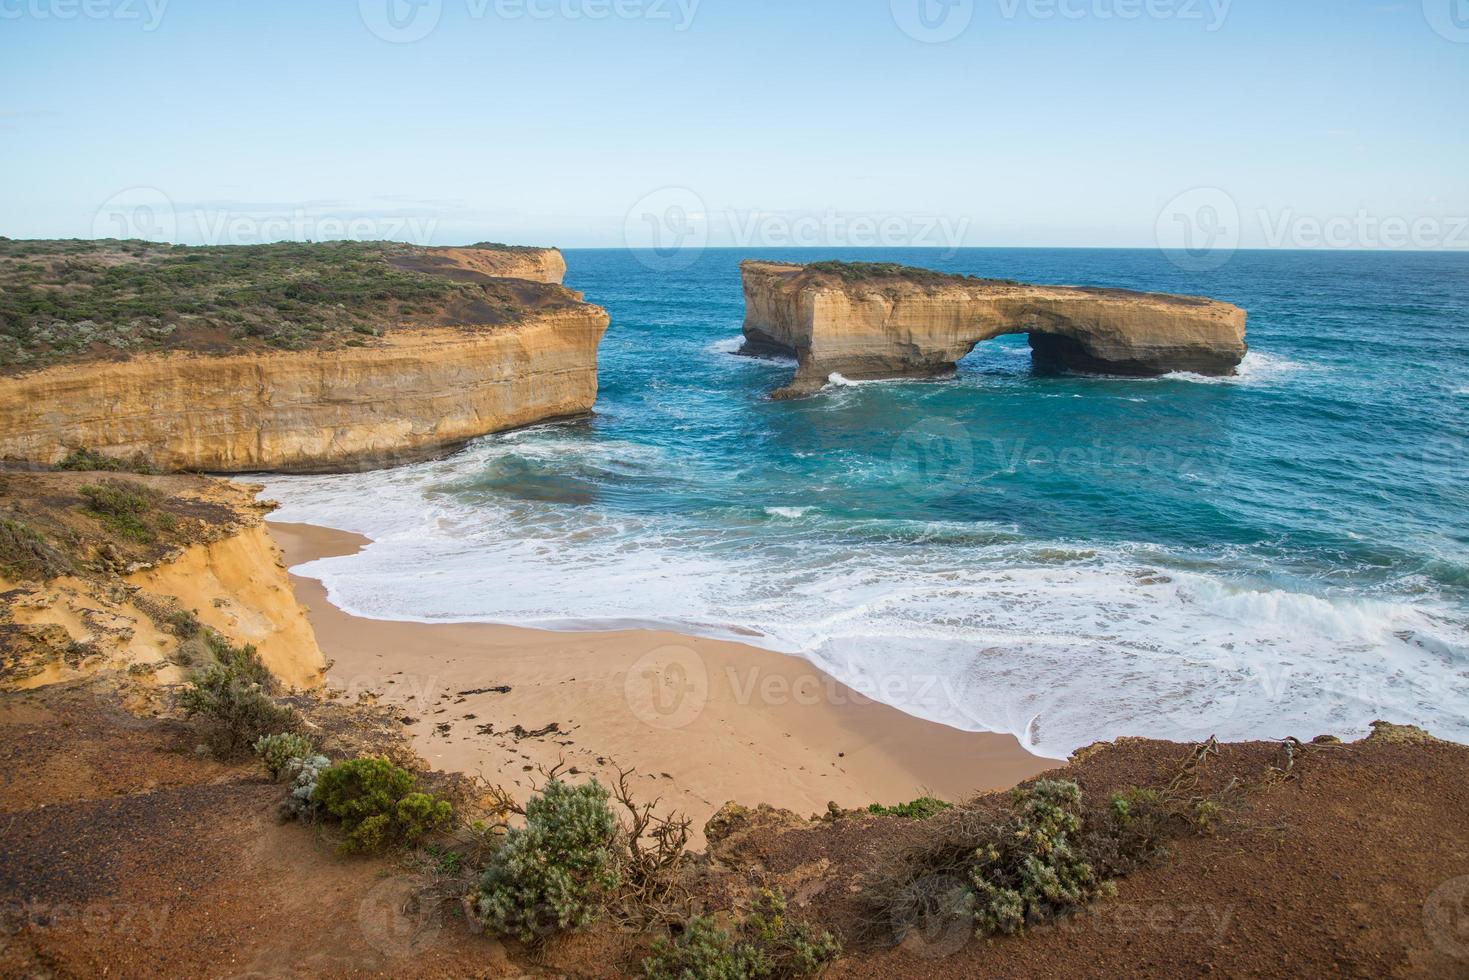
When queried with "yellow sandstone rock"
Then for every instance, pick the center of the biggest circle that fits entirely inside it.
(885, 321)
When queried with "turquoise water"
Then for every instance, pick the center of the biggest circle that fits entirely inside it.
(1066, 558)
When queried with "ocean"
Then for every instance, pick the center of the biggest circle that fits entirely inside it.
(1065, 558)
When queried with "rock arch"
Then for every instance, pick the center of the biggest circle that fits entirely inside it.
(883, 321)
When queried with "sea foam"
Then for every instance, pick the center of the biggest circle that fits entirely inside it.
(1059, 643)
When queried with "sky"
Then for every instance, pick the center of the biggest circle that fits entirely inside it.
(660, 123)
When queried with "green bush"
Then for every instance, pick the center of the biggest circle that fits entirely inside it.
(87, 460)
(1000, 869)
(24, 554)
(864, 271)
(768, 944)
(702, 952)
(276, 751)
(378, 804)
(127, 509)
(552, 874)
(1033, 874)
(233, 696)
(303, 774)
(919, 809)
(137, 297)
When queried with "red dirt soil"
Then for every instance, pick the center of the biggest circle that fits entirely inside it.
(127, 854)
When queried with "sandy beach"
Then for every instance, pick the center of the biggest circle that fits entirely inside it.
(702, 721)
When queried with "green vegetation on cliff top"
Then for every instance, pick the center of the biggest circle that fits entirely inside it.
(75, 299)
(867, 271)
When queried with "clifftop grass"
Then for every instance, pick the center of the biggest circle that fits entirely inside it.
(72, 300)
(877, 271)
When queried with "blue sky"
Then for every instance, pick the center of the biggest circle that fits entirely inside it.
(1041, 122)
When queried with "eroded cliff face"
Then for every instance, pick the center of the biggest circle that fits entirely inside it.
(300, 358)
(414, 393)
(893, 323)
(534, 264)
(105, 604)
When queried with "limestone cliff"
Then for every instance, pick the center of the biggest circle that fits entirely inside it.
(413, 394)
(407, 353)
(502, 262)
(85, 595)
(870, 321)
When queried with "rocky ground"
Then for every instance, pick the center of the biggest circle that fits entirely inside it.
(126, 850)
(129, 854)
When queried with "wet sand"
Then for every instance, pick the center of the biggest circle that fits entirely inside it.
(701, 721)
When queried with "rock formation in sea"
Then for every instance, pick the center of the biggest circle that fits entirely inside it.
(864, 320)
(291, 357)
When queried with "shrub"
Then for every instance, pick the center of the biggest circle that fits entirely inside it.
(767, 945)
(703, 951)
(126, 508)
(1033, 874)
(24, 554)
(551, 875)
(999, 869)
(303, 774)
(233, 695)
(378, 804)
(88, 460)
(277, 751)
(919, 809)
